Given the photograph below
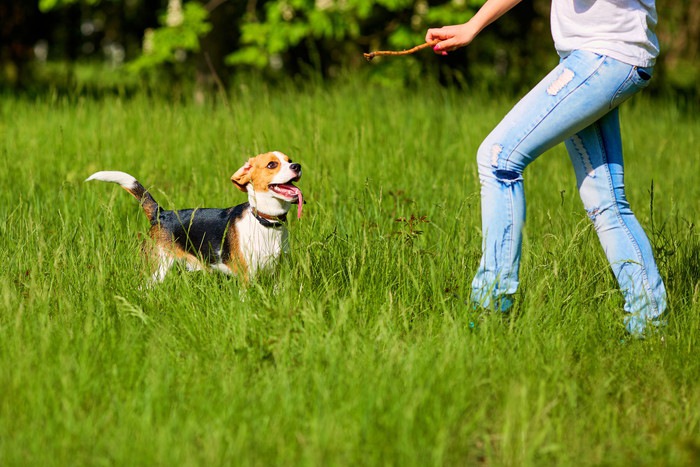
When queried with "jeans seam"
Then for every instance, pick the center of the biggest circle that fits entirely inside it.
(511, 223)
(618, 91)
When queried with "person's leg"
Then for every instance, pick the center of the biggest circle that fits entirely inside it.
(578, 92)
(596, 154)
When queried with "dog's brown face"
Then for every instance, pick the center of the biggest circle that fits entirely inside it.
(270, 175)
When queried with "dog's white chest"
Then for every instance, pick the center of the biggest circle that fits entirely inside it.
(261, 246)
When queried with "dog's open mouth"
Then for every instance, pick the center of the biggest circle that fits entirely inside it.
(291, 193)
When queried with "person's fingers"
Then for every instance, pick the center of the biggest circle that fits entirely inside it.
(447, 45)
(435, 34)
(442, 33)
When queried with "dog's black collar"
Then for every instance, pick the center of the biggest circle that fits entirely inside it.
(269, 221)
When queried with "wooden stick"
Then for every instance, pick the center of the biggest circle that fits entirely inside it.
(371, 55)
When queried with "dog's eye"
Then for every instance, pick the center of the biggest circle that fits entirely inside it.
(272, 165)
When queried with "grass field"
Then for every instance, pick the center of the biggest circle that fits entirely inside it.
(361, 351)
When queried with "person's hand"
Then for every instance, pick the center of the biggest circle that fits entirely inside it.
(450, 37)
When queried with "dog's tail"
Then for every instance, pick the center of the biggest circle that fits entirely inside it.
(131, 185)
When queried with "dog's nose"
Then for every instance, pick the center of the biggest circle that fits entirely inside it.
(295, 167)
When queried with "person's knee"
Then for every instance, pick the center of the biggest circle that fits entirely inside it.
(488, 155)
(604, 208)
(492, 161)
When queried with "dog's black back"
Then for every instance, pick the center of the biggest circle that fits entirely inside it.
(201, 232)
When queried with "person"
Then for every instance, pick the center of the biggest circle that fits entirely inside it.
(607, 51)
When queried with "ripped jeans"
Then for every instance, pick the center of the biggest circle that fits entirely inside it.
(576, 103)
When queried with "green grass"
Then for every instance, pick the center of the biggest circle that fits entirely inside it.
(364, 353)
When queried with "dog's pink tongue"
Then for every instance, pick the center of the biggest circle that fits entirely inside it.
(290, 190)
(300, 202)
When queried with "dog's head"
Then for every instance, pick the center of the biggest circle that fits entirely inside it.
(269, 181)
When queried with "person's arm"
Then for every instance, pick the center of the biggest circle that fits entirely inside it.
(459, 35)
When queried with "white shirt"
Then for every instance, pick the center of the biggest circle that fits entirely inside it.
(621, 29)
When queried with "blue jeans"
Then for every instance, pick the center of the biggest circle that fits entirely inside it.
(577, 104)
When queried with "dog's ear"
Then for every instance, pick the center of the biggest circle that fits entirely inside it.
(242, 176)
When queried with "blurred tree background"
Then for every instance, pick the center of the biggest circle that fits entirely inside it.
(98, 45)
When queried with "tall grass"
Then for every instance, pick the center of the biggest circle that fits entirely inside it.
(361, 350)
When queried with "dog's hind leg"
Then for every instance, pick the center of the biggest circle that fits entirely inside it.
(192, 263)
(165, 262)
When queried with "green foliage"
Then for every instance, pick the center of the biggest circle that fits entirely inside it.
(327, 37)
(48, 5)
(167, 43)
(684, 75)
(341, 26)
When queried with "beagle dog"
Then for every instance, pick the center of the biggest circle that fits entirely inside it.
(240, 240)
